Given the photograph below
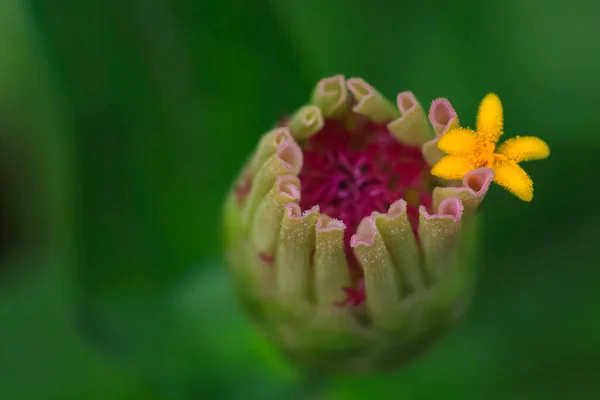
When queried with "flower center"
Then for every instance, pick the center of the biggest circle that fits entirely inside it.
(353, 169)
(487, 157)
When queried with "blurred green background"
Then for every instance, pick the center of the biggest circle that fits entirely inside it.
(123, 122)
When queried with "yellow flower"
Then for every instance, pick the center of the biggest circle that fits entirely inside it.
(468, 149)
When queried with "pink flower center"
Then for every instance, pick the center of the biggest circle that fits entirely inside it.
(350, 173)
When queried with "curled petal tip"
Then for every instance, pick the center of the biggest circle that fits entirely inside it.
(295, 212)
(359, 88)
(330, 86)
(331, 96)
(443, 118)
(276, 137)
(324, 85)
(268, 145)
(479, 180)
(361, 91)
(412, 127)
(289, 152)
(475, 185)
(397, 208)
(312, 116)
(406, 101)
(326, 223)
(306, 122)
(450, 207)
(280, 135)
(288, 185)
(442, 115)
(365, 233)
(371, 103)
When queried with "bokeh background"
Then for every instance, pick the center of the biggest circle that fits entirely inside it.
(123, 122)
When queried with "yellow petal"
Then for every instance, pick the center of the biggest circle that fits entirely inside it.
(512, 177)
(452, 167)
(524, 149)
(489, 118)
(460, 140)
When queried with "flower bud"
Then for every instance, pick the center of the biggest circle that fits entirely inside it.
(345, 249)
